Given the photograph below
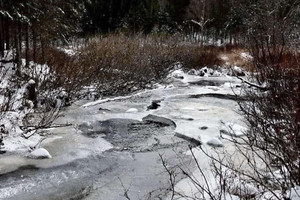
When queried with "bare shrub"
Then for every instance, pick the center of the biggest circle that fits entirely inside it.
(197, 57)
(64, 71)
(121, 64)
(268, 155)
(118, 64)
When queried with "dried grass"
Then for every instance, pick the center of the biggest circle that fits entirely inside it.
(119, 64)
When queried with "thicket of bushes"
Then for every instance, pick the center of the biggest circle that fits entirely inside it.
(117, 64)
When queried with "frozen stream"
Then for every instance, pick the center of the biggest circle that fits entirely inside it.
(114, 144)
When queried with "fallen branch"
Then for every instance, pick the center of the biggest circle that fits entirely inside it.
(219, 96)
(35, 128)
(6, 61)
(45, 127)
(252, 84)
(189, 139)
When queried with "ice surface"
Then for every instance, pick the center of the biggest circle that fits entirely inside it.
(68, 144)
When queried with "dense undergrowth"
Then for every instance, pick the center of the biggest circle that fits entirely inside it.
(118, 64)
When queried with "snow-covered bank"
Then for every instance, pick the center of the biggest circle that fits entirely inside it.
(13, 108)
(131, 131)
(28, 102)
(190, 114)
(171, 100)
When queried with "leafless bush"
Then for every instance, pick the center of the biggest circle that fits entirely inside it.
(120, 64)
(58, 71)
(268, 155)
(274, 115)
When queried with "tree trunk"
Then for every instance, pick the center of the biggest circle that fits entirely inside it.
(27, 46)
(32, 95)
(43, 50)
(2, 37)
(7, 35)
(18, 51)
(34, 38)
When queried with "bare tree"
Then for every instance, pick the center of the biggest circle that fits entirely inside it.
(198, 15)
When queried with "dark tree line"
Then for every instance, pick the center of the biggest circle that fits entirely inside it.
(103, 16)
(37, 23)
(29, 26)
(170, 16)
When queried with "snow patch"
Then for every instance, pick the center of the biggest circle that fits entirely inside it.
(232, 129)
(246, 56)
(179, 74)
(215, 142)
(132, 110)
(40, 153)
(31, 82)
